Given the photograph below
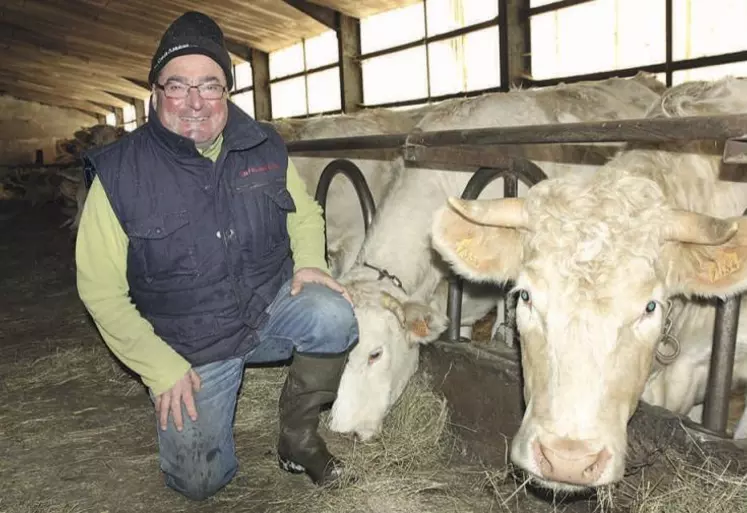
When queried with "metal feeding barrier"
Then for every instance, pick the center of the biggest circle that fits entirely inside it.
(498, 153)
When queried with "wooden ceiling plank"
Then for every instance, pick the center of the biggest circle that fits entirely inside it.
(103, 47)
(77, 94)
(76, 78)
(323, 15)
(56, 101)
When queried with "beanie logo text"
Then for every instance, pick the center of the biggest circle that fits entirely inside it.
(170, 51)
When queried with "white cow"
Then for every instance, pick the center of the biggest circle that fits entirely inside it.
(596, 259)
(394, 319)
(345, 224)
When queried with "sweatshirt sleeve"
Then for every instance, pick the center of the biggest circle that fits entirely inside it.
(101, 260)
(305, 225)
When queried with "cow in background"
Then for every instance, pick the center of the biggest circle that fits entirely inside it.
(344, 220)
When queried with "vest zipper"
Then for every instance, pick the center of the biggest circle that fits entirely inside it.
(218, 165)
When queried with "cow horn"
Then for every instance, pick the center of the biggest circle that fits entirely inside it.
(508, 212)
(686, 226)
(393, 305)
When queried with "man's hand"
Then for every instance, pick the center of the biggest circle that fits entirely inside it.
(314, 275)
(172, 399)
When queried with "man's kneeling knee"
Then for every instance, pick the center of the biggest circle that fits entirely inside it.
(199, 486)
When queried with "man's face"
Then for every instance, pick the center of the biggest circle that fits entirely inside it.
(193, 117)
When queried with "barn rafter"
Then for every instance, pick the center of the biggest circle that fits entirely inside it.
(90, 54)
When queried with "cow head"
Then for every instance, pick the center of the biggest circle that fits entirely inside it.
(390, 328)
(594, 262)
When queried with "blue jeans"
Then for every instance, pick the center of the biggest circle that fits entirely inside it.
(201, 459)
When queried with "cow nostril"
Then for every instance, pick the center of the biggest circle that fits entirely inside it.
(570, 461)
(542, 460)
(591, 469)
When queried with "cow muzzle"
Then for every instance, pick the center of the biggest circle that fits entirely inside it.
(574, 462)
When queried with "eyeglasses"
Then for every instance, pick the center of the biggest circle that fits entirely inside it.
(177, 91)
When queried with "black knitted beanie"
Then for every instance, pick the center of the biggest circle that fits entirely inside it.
(192, 32)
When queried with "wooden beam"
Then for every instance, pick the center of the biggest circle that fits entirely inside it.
(23, 53)
(52, 100)
(142, 83)
(351, 72)
(239, 49)
(261, 80)
(119, 116)
(515, 43)
(324, 15)
(61, 76)
(140, 113)
(84, 95)
(40, 33)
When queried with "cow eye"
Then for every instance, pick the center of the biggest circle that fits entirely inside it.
(651, 307)
(374, 355)
(524, 295)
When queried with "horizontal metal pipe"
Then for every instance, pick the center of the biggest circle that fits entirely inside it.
(633, 130)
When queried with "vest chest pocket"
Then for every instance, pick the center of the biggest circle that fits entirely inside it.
(263, 211)
(162, 246)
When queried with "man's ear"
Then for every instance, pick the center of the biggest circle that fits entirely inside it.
(715, 265)
(476, 251)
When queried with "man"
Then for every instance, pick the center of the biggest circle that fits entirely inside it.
(199, 250)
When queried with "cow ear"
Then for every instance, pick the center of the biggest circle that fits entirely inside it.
(708, 268)
(476, 251)
(423, 323)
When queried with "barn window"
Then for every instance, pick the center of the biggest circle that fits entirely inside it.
(409, 68)
(392, 28)
(242, 76)
(111, 119)
(287, 61)
(245, 101)
(305, 77)
(129, 118)
(435, 48)
(321, 50)
(323, 89)
(447, 15)
(707, 39)
(289, 98)
(623, 33)
(737, 69)
(708, 27)
(465, 63)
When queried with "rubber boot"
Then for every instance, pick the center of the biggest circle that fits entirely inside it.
(311, 383)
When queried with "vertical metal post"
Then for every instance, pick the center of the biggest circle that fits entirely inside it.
(668, 28)
(716, 407)
(516, 169)
(454, 307)
(510, 190)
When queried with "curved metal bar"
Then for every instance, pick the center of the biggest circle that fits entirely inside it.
(518, 169)
(354, 174)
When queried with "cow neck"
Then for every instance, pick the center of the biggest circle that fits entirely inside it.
(383, 273)
(398, 240)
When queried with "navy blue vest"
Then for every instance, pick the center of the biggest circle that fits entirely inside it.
(208, 243)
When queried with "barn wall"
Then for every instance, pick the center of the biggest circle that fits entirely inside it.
(27, 126)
